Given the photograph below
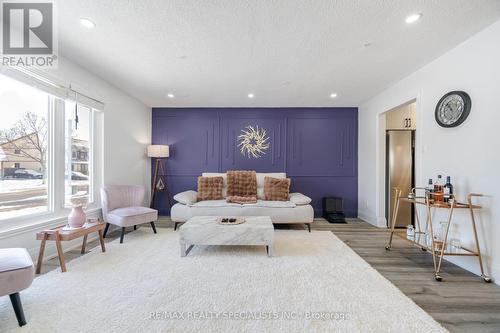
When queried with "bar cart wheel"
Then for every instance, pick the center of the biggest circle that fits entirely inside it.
(438, 278)
(486, 279)
(387, 247)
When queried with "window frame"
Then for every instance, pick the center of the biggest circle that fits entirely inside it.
(56, 208)
(92, 158)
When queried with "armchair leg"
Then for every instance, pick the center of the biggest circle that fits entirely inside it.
(135, 227)
(18, 308)
(153, 226)
(309, 226)
(105, 230)
(123, 234)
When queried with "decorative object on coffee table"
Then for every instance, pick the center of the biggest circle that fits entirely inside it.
(205, 230)
(77, 217)
(230, 220)
(59, 234)
(158, 153)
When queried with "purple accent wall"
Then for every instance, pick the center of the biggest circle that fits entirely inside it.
(316, 147)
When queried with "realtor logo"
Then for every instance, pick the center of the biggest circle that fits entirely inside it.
(28, 34)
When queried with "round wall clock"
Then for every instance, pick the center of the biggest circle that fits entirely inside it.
(453, 108)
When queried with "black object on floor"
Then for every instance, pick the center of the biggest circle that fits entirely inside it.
(18, 308)
(333, 210)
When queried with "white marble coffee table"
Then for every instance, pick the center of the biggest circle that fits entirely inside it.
(204, 230)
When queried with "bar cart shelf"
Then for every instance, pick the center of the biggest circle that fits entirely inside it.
(419, 239)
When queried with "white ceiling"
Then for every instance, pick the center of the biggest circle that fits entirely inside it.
(286, 52)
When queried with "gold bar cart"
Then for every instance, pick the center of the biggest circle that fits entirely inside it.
(437, 248)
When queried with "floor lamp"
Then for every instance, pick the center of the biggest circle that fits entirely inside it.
(158, 153)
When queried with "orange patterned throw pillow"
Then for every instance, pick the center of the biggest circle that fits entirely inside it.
(210, 188)
(276, 189)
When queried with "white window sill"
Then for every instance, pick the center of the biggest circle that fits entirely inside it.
(38, 222)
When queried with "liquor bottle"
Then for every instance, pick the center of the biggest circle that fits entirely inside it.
(438, 189)
(448, 189)
(430, 186)
(429, 189)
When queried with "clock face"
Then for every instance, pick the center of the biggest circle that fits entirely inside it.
(452, 109)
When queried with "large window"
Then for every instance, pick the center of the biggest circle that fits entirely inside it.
(48, 152)
(24, 130)
(78, 154)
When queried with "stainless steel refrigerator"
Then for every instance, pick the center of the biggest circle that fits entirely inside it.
(400, 168)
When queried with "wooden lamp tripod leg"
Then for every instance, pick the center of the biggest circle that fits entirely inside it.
(153, 185)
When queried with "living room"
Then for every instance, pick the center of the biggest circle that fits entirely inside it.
(247, 166)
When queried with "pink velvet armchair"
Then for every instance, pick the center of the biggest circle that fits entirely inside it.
(122, 205)
(16, 274)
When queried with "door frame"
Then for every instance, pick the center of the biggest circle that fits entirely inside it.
(380, 154)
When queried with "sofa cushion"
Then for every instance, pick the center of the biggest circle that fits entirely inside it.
(297, 214)
(209, 188)
(215, 204)
(14, 258)
(242, 199)
(276, 189)
(241, 183)
(259, 203)
(129, 216)
(299, 199)
(16, 270)
(186, 197)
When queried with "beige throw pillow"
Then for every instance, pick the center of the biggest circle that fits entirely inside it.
(210, 188)
(276, 189)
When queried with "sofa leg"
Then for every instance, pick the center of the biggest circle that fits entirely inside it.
(105, 230)
(153, 226)
(18, 308)
(135, 227)
(175, 226)
(122, 235)
(309, 226)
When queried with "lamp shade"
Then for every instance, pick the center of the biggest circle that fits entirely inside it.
(158, 151)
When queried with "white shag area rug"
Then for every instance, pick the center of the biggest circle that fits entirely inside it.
(315, 283)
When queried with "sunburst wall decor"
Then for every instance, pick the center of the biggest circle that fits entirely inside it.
(253, 142)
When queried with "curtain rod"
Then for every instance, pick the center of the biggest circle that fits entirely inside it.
(44, 79)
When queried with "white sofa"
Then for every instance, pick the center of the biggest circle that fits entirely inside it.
(296, 210)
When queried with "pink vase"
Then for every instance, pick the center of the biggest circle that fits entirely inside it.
(77, 217)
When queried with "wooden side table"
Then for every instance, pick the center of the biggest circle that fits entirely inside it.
(58, 235)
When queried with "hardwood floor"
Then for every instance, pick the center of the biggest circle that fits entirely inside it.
(461, 303)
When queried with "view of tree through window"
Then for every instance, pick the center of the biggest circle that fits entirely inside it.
(23, 149)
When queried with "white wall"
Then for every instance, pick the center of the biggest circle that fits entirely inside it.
(470, 153)
(126, 133)
(127, 126)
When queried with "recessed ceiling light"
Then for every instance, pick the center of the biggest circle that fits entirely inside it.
(170, 95)
(87, 23)
(251, 95)
(333, 95)
(413, 18)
